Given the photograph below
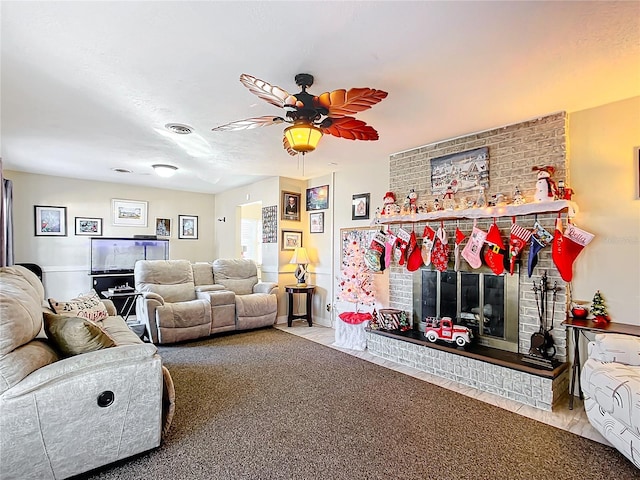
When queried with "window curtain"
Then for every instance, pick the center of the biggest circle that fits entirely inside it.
(6, 221)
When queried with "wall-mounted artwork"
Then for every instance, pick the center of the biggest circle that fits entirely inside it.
(316, 222)
(270, 224)
(163, 227)
(129, 213)
(318, 198)
(291, 239)
(290, 206)
(89, 226)
(360, 206)
(188, 227)
(460, 172)
(50, 221)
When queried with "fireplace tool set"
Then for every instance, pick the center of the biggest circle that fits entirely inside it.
(543, 348)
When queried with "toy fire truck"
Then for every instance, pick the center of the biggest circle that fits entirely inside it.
(447, 331)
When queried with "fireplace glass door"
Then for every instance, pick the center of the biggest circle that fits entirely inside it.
(480, 300)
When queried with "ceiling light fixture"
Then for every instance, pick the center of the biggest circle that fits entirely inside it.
(302, 136)
(163, 170)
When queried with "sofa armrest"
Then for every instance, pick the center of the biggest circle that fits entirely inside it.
(81, 364)
(153, 296)
(613, 347)
(111, 308)
(209, 288)
(266, 287)
(146, 313)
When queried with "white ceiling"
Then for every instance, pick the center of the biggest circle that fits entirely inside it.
(88, 86)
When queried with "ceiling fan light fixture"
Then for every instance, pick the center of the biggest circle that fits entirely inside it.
(303, 137)
(165, 171)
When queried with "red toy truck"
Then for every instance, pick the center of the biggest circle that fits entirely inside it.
(447, 331)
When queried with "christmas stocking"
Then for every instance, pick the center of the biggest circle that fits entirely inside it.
(471, 251)
(427, 244)
(456, 249)
(440, 255)
(414, 257)
(540, 239)
(567, 248)
(374, 252)
(494, 254)
(517, 241)
(388, 247)
(402, 243)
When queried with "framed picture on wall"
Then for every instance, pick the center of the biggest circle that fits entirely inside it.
(89, 226)
(360, 206)
(316, 222)
(163, 227)
(50, 221)
(290, 206)
(291, 239)
(188, 227)
(318, 198)
(129, 213)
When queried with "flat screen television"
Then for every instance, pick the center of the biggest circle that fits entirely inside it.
(119, 255)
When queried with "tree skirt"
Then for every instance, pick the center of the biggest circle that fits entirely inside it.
(350, 330)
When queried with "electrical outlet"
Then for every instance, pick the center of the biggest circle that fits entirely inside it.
(328, 307)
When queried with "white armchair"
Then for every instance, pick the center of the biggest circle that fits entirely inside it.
(610, 381)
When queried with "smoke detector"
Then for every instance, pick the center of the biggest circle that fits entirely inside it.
(179, 128)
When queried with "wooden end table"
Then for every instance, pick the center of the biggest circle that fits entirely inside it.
(307, 290)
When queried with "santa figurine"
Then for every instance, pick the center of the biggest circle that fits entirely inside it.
(389, 201)
(546, 190)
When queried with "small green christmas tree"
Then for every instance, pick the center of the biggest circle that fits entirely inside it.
(598, 308)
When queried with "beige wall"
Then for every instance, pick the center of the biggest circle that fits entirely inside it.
(66, 260)
(603, 171)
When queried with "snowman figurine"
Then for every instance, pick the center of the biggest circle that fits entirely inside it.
(389, 201)
(546, 190)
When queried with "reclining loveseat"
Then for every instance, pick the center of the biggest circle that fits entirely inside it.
(183, 301)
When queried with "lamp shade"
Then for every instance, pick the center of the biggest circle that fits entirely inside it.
(300, 256)
(303, 137)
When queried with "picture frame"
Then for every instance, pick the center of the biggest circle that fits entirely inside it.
(318, 198)
(291, 206)
(360, 206)
(316, 222)
(188, 227)
(291, 239)
(129, 213)
(88, 226)
(163, 227)
(50, 221)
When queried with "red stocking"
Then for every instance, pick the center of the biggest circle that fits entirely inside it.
(517, 240)
(494, 252)
(567, 247)
(402, 243)
(414, 257)
(440, 256)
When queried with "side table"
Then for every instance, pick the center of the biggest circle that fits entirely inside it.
(578, 325)
(129, 298)
(306, 290)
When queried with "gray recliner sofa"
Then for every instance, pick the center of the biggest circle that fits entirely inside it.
(62, 416)
(183, 301)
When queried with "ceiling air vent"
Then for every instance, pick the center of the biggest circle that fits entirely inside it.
(121, 170)
(179, 128)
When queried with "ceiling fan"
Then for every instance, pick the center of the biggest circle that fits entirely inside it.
(311, 116)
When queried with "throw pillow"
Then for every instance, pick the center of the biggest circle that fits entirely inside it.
(75, 335)
(87, 306)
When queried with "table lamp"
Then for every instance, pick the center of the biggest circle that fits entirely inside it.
(300, 258)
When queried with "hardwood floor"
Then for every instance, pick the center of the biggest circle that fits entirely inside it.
(574, 421)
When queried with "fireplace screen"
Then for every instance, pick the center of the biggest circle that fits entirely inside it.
(480, 300)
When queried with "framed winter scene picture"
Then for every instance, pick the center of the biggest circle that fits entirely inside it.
(50, 221)
(460, 172)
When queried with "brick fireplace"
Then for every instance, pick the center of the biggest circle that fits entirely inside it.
(513, 151)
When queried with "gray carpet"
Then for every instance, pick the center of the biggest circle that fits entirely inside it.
(265, 404)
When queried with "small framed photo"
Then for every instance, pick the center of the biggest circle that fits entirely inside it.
(291, 239)
(188, 227)
(163, 227)
(318, 198)
(129, 213)
(50, 221)
(89, 226)
(290, 206)
(360, 206)
(316, 222)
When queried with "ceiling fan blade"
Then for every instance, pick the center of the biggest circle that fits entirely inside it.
(341, 103)
(352, 129)
(287, 147)
(249, 123)
(271, 93)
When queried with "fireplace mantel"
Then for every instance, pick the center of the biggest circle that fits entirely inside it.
(487, 212)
